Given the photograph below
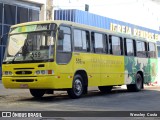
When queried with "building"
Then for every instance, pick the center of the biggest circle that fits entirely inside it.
(18, 11)
(91, 19)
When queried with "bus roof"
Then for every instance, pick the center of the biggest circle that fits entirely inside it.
(83, 26)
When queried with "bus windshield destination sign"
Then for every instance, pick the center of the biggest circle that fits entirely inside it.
(30, 28)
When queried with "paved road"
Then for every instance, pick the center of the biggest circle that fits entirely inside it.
(118, 100)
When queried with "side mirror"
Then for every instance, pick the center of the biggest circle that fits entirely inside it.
(60, 35)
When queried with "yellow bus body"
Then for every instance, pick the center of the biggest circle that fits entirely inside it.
(101, 70)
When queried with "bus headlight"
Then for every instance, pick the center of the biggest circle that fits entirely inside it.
(37, 72)
(44, 72)
(7, 73)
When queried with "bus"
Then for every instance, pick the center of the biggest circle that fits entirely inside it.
(62, 55)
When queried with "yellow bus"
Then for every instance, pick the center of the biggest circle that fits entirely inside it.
(61, 55)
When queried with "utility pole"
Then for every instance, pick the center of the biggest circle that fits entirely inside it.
(49, 10)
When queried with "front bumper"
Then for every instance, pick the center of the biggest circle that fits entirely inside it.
(43, 82)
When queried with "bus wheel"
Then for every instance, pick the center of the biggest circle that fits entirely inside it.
(138, 84)
(77, 87)
(105, 89)
(37, 93)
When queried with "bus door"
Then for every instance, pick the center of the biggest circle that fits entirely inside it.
(64, 55)
(116, 60)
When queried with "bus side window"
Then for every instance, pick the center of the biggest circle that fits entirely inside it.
(141, 49)
(151, 50)
(86, 41)
(98, 42)
(129, 47)
(116, 45)
(78, 40)
(81, 40)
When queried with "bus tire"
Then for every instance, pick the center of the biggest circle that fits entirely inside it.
(138, 84)
(105, 89)
(77, 87)
(37, 93)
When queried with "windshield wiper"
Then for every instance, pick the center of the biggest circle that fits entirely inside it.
(24, 53)
(21, 53)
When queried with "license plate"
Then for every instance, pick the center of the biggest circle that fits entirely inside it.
(23, 85)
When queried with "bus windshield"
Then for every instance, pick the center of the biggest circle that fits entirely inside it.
(30, 47)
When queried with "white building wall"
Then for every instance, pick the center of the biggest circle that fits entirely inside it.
(42, 4)
(36, 1)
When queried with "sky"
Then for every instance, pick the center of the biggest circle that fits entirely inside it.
(138, 12)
